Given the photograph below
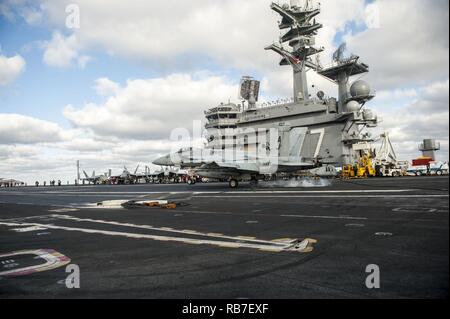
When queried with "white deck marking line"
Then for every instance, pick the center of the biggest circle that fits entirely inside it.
(325, 196)
(215, 213)
(326, 217)
(52, 258)
(271, 215)
(318, 191)
(264, 245)
(63, 210)
(18, 219)
(28, 229)
(164, 229)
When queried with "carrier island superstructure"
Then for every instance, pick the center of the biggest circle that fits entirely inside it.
(310, 131)
(335, 129)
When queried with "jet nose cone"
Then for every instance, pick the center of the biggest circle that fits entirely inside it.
(163, 161)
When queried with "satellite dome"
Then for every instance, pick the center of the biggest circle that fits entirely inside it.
(360, 88)
(353, 106)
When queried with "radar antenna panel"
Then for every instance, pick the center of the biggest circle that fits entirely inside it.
(249, 88)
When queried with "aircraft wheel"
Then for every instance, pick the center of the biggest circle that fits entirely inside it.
(233, 183)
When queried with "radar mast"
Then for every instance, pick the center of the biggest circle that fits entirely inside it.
(302, 29)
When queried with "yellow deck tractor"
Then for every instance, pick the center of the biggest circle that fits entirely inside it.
(362, 169)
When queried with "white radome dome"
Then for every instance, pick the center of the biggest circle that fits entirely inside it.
(360, 88)
(353, 106)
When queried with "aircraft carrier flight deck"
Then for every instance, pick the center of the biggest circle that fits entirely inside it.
(267, 241)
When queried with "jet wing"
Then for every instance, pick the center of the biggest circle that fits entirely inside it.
(232, 166)
(293, 167)
(240, 166)
(259, 166)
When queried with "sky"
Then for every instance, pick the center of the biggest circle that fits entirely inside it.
(105, 82)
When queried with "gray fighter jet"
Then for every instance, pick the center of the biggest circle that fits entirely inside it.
(240, 163)
(126, 177)
(95, 179)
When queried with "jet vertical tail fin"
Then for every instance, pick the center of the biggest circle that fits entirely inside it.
(296, 139)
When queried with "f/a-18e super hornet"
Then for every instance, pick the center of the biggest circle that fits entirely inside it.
(126, 177)
(240, 163)
(95, 179)
(301, 133)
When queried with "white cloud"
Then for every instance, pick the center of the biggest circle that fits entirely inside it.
(28, 10)
(63, 51)
(83, 60)
(150, 109)
(32, 149)
(105, 87)
(234, 33)
(396, 94)
(230, 32)
(408, 56)
(22, 129)
(438, 92)
(411, 46)
(10, 68)
(24, 151)
(426, 116)
(32, 16)
(47, 161)
(172, 35)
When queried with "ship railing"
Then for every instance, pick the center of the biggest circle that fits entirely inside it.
(223, 121)
(275, 103)
(225, 111)
(350, 59)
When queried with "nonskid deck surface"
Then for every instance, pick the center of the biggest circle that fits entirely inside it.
(271, 241)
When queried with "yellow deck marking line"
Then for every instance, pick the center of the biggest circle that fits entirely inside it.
(283, 240)
(267, 249)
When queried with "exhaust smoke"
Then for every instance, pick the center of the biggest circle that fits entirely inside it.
(297, 183)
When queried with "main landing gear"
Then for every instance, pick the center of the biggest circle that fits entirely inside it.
(233, 183)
